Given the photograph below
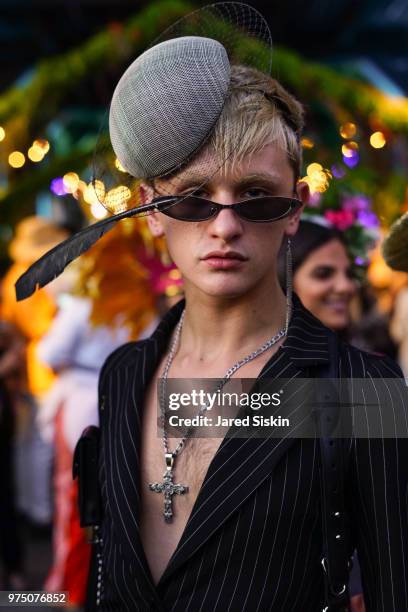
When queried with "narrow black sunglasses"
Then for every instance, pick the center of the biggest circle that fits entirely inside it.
(258, 210)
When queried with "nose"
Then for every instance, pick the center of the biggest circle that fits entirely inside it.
(225, 225)
(344, 284)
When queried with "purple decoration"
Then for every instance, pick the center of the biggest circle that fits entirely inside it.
(57, 186)
(367, 218)
(338, 171)
(359, 261)
(356, 203)
(353, 160)
(314, 200)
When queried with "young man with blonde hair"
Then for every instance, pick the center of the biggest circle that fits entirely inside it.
(231, 523)
(247, 534)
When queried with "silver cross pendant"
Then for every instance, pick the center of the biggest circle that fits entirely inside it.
(168, 488)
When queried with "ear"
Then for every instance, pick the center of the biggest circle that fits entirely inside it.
(303, 194)
(146, 195)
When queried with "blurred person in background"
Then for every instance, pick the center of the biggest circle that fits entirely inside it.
(324, 280)
(11, 359)
(395, 253)
(322, 274)
(34, 236)
(97, 313)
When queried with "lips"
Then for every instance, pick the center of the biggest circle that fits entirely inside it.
(338, 305)
(224, 260)
(225, 255)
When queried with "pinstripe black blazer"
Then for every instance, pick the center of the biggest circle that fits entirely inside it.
(253, 541)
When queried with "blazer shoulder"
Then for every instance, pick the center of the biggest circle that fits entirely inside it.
(120, 358)
(370, 364)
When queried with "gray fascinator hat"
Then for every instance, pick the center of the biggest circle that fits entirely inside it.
(395, 245)
(162, 113)
(182, 84)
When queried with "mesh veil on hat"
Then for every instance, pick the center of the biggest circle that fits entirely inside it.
(182, 85)
(395, 245)
(163, 112)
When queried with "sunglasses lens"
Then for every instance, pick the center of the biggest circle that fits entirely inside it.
(190, 208)
(266, 209)
(260, 210)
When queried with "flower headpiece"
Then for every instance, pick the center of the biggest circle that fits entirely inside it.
(354, 217)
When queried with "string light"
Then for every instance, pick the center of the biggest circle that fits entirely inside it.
(57, 186)
(80, 189)
(348, 130)
(119, 165)
(349, 149)
(175, 274)
(71, 181)
(16, 159)
(307, 143)
(377, 140)
(94, 193)
(116, 199)
(98, 211)
(312, 168)
(35, 154)
(338, 171)
(42, 144)
(317, 178)
(2, 134)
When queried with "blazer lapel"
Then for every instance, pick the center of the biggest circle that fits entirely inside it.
(126, 386)
(237, 469)
(241, 464)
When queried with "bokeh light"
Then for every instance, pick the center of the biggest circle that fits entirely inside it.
(2, 133)
(307, 143)
(312, 168)
(338, 171)
(351, 160)
(377, 140)
(116, 199)
(317, 178)
(119, 165)
(35, 154)
(98, 211)
(348, 130)
(349, 148)
(16, 159)
(42, 144)
(57, 186)
(71, 181)
(94, 193)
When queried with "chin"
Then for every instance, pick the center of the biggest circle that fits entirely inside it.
(338, 323)
(227, 288)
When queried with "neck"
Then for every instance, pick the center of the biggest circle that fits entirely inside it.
(215, 328)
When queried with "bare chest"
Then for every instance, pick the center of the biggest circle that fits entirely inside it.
(160, 539)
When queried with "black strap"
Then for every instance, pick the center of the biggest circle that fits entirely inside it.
(85, 468)
(335, 527)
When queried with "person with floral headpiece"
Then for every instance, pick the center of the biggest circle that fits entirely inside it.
(228, 521)
(34, 236)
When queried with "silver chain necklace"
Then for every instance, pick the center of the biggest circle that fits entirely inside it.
(167, 487)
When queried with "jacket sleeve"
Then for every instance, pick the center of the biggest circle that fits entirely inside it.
(379, 490)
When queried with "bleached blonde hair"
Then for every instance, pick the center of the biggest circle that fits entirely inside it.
(259, 111)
